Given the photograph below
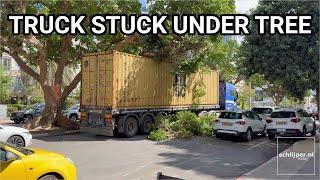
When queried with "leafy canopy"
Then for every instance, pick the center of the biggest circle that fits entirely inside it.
(290, 61)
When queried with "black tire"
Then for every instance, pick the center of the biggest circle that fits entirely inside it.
(304, 132)
(314, 130)
(17, 141)
(264, 133)
(130, 127)
(146, 124)
(271, 136)
(248, 135)
(17, 121)
(73, 117)
(49, 177)
(28, 117)
(218, 135)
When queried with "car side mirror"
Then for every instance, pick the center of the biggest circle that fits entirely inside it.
(11, 157)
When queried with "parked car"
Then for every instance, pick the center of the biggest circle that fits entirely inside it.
(23, 163)
(73, 112)
(263, 112)
(16, 136)
(290, 122)
(28, 113)
(244, 124)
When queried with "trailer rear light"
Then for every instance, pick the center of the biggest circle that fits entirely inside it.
(295, 120)
(108, 118)
(269, 120)
(83, 116)
(241, 122)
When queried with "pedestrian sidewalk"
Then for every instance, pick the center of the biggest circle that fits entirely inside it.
(5, 120)
(293, 167)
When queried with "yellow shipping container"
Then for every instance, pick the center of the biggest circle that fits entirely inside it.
(124, 81)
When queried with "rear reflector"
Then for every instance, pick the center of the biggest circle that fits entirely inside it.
(241, 122)
(108, 118)
(83, 116)
(269, 121)
(295, 120)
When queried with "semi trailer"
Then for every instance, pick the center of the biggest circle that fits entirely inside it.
(124, 94)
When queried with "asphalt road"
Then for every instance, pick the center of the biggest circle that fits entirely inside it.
(99, 157)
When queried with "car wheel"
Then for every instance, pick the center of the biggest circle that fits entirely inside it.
(314, 130)
(304, 132)
(28, 118)
(49, 177)
(264, 132)
(218, 135)
(146, 124)
(17, 121)
(271, 136)
(73, 117)
(17, 141)
(130, 127)
(248, 135)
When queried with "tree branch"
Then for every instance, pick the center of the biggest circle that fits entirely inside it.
(22, 64)
(71, 86)
(18, 49)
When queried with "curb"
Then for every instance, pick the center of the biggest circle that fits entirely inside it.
(54, 134)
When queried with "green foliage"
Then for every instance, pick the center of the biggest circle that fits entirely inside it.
(273, 89)
(290, 61)
(157, 135)
(15, 107)
(184, 124)
(189, 53)
(5, 87)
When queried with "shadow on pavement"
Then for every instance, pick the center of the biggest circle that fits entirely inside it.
(221, 158)
(88, 137)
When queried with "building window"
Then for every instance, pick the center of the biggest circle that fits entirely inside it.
(6, 63)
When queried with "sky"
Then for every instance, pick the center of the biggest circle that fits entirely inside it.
(242, 6)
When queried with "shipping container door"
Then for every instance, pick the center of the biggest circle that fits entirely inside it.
(104, 80)
(89, 80)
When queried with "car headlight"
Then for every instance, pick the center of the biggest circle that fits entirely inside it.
(69, 160)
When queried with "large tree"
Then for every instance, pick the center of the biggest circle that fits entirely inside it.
(291, 61)
(35, 54)
(189, 52)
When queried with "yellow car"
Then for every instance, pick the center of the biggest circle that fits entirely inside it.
(17, 163)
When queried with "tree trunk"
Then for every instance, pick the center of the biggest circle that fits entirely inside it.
(52, 113)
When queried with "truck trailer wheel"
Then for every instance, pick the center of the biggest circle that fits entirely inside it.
(130, 127)
(146, 124)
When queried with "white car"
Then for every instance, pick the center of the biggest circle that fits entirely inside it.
(244, 124)
(73, 112)
(16, 136)
(290, 122)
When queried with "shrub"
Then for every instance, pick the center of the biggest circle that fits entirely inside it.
(14, 107)
(157, 135)
(184, 124)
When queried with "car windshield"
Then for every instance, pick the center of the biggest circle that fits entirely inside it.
(75, 107)
(22, 150)
(283, 114)
(262, 110)
(230, 115)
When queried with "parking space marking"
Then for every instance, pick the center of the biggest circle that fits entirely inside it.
(263, 142)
